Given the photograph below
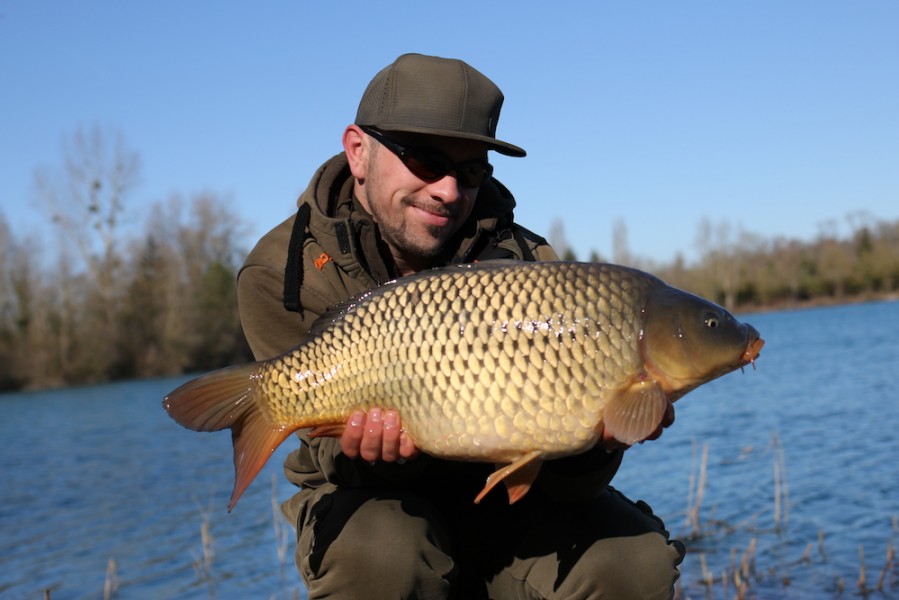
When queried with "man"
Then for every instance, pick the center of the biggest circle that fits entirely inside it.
(412, 190)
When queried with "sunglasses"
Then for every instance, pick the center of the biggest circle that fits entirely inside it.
(431, 166)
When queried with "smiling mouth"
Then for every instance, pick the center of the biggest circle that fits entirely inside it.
(433, 215)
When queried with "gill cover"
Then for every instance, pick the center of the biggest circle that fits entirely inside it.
(687, 340)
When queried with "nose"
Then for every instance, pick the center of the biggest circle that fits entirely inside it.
(446, 189)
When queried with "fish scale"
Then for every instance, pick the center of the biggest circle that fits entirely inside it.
(506, 362)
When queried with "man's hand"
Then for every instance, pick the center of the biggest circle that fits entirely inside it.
(667, 420)
(376, 435)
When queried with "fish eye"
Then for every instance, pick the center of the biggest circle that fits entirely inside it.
(712, 321)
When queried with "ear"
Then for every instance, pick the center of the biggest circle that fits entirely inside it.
(356, 145)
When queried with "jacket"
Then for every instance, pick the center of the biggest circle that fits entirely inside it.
(330, 251)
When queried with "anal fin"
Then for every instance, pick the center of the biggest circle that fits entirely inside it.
(328, 430)
(517, 476)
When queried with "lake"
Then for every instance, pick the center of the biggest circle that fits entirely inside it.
(797, 495)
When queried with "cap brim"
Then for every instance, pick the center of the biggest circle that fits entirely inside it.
(500, 146)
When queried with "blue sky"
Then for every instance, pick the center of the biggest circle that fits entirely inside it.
(777, 117)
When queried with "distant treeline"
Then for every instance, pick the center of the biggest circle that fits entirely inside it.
(122, 302)
(163, 304)
(744, 271)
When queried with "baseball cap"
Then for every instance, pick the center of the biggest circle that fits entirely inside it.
(435, 96)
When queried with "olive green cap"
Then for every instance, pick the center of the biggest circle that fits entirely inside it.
(435, 96)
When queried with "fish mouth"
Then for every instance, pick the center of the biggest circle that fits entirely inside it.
(753, 348)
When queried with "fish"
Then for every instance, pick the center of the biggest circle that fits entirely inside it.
(504, 362)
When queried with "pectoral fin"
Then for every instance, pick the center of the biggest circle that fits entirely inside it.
(636, 412)
(518, 477)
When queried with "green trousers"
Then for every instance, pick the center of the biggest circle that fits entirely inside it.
(392, 544)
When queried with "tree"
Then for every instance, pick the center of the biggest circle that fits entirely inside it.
(12, 320)
(559, 241)
(142, 347)
(85, 201)
(208, 246)
(719, 260)
(183, 289)
(621, 252)
(835, 262)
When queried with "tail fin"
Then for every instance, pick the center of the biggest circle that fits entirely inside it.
(229, 398)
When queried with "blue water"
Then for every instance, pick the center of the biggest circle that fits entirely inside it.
(99, 473)
(100, 476)
(825, 396)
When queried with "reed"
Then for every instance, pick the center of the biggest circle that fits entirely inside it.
(707, 577)
(821, 545)
(747, 563)
(806, 554)
(203, 562)
(111, 584)
(282, 533)
(781, 490)
(891, 555)
(741, 575)
(694, 498)
(862, 583)
(280, 530)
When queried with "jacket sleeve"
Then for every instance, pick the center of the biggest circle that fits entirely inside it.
(581, 477)
(269, 328)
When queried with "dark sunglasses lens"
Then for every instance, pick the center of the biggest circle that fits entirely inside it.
(474, 173)
(432, 167)
(427, 166)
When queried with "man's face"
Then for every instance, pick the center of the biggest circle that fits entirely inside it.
(417, 217)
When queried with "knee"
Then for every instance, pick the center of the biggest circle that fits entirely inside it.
(642, 566)
(380, 540)
(636, 560)
(381, 548)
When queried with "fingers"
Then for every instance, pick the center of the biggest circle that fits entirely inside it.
(376, 435)
(370, 446)
(390, 439)
(351, 438)
(407, 448)
(667, 421)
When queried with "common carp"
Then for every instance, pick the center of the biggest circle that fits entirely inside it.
(506, 362)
